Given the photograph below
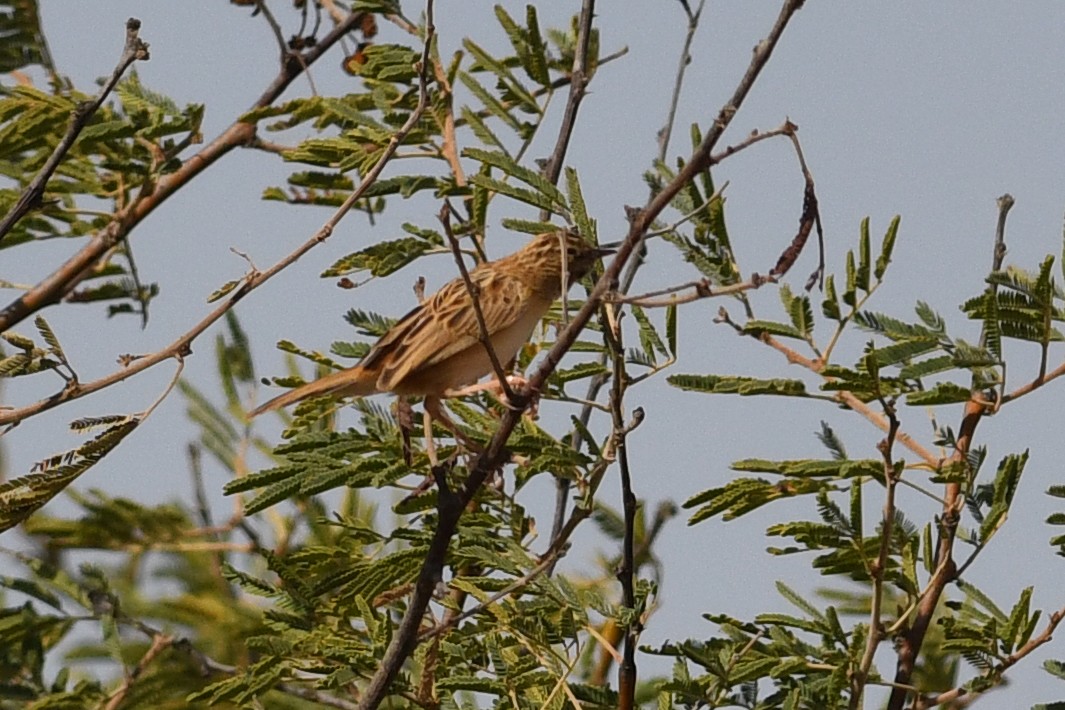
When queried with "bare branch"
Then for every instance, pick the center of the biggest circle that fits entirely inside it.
(160, 642)
(666, 131)
(578, 83)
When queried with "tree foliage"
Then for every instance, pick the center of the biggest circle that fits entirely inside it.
(349, 561)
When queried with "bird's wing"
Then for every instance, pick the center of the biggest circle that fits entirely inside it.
(446, 324)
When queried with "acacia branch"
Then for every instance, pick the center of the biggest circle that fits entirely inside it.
(182, 346)
(160, 642)
(627, 570)
(909, 643)
(135, 49)
(64, 279)
(666, 132)
(495, 455)
(1011, 660)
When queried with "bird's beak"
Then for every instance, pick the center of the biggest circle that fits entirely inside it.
(606, 249)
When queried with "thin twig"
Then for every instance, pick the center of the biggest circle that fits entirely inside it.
(666, 133)
(998, 255)
(578, 83)
(595, 385)
(475, 299)
(275, 27)
(627, 570)
(160, 642)
(135, 49)
(699, 290)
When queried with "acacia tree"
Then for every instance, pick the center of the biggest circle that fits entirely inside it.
(307, 595)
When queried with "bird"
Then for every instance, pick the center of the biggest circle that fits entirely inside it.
(436, 349)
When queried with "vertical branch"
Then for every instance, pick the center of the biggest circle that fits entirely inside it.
(946, 570)
(666, 132)
(879, 566)
(578, 83)
(998, 254)
(626, 572)
(909, 643)
(552, 171)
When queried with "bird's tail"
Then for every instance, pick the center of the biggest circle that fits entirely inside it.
(353, 382)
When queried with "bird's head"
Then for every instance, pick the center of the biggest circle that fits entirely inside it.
(543, 256)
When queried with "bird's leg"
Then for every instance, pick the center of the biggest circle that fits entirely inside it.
(430, 444)
(434, 409)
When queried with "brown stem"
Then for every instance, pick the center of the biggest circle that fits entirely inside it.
(160, 642)
(475, 300)
(666, 132)
(909, 643)
(578, 84)
(627, 571)
(879, 566)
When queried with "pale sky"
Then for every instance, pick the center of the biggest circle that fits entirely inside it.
(926, 110)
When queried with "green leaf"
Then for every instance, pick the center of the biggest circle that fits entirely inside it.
(383, 258)
(21, 496)
(830, 305)
(744, 386)
(526, 226)
(942, 393)
(1004, 488)
(223, 290)
(671, 329)
(886, 247)
(585, 224)
(759, 327)
(508, 84)
(862, 274)
(512, 169)
(491, 103)
(835, 468)
(529, 197)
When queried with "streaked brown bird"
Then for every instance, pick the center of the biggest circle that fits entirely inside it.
(436, 349)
